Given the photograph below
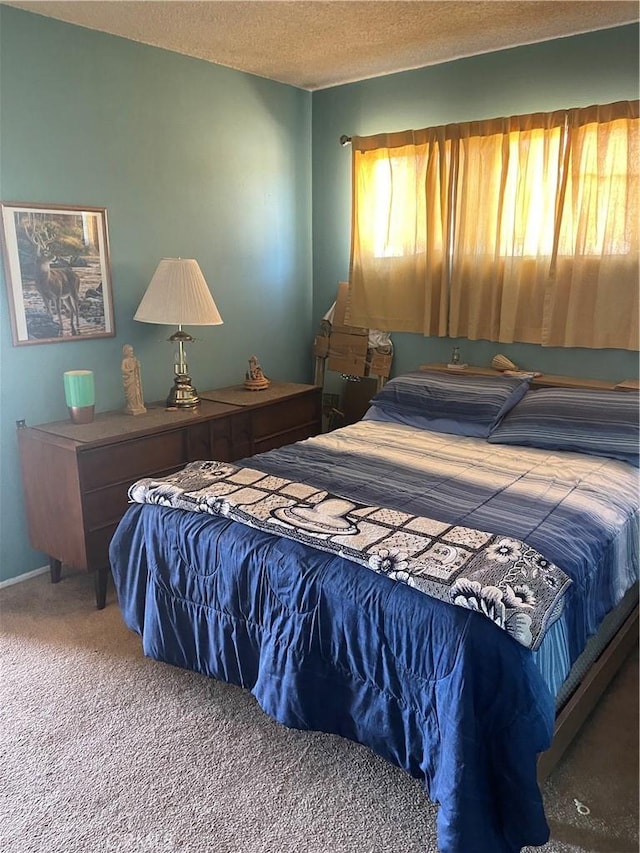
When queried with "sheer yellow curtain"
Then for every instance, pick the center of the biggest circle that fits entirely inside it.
(511, 229)
(592, 296)
(401, 188)
(507, 191)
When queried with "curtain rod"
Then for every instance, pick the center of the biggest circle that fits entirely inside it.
(345, 140)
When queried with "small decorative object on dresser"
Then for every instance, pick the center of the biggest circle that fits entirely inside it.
(455, 363)
(501, 362)
(508, 368)
(79, 392)
(255, 380)
(132, 382)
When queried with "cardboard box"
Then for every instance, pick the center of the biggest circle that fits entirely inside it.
(380, 364)
(321, 346)
(341, 319)
(348, 353)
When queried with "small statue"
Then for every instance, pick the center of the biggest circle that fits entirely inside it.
(255, 380)
(455, 363)
(132, 382)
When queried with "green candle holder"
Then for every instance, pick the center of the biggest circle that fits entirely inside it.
(79, 392)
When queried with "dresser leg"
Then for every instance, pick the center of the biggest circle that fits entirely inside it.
(55, 569)
(101, 576)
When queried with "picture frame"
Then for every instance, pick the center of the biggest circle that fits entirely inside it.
(57, 272)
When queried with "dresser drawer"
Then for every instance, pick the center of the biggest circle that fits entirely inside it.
(241, 436)
(106, 504)
(287, 415)
(98, 546)
(282, 438)
(220, 441)
(109, 503)
(141, 457)
(198, 442)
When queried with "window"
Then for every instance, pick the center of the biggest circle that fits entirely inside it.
(395, 213)
(521, 228)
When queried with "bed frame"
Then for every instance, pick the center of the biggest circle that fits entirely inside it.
(586, 696)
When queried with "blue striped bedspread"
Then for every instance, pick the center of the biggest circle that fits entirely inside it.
(324, 643)
(500, 577)
(580, 512)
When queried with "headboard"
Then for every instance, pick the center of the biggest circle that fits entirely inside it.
(544, 380)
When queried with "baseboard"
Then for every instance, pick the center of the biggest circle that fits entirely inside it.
(25, 577)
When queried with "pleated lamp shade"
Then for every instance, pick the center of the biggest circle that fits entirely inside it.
(178, 295)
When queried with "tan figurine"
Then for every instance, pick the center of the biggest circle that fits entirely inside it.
(132, 382)
(255, 380)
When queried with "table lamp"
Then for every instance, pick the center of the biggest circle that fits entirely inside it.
(178, 295)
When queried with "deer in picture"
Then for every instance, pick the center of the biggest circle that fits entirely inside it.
(58, 286)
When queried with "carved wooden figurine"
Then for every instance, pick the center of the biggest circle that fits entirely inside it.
(132, 382)
(255, 380)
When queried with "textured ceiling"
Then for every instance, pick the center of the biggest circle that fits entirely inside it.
(314, 45)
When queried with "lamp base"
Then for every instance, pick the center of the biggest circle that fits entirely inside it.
(182, 395)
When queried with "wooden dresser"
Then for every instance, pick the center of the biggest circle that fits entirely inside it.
(76, 477)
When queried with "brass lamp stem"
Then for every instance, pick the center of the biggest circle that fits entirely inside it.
(181, 367)
(182, 395)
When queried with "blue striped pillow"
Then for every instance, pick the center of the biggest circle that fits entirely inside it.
(441, 402)
(600, 423)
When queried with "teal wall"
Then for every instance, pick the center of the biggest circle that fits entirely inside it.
(190, 159)
(196, 160)
(598, 67)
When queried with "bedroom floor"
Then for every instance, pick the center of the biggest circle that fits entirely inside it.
(600, 770)
(104, 750)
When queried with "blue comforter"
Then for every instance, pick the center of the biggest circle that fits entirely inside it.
(324, 643)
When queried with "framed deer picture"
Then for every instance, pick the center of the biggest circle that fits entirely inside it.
(57, 272)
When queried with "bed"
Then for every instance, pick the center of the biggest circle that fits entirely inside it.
(422, 582)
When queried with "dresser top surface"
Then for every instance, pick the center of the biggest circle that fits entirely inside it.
(107, 426)
(238, 395)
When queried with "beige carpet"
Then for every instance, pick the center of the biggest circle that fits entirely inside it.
(104, 750)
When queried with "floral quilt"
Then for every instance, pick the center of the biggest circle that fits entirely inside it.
(500, 577)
